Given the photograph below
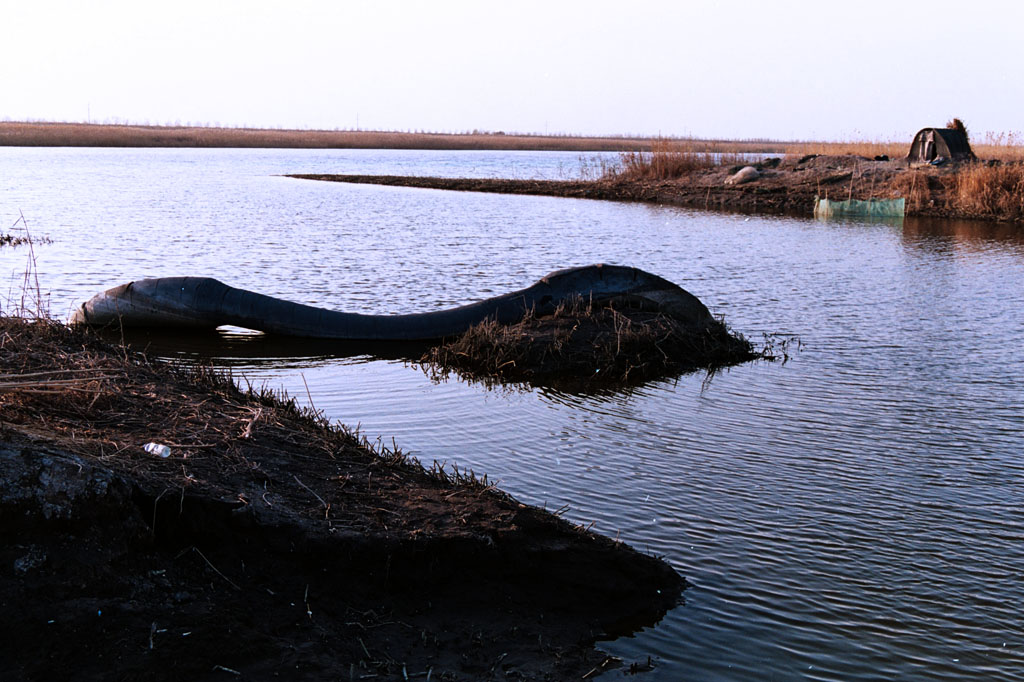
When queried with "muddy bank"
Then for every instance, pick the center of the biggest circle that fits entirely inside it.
(700, 189)
(783, 185)
(267, 544)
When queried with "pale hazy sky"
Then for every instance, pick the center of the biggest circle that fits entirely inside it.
(793, 70)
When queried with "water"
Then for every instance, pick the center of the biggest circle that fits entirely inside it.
(856, 513)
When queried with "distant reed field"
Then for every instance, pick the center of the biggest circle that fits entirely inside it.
(93, 135)
(668, 155)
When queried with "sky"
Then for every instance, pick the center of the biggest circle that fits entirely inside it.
(871, 70)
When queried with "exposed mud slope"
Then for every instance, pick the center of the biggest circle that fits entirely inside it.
(268, 543)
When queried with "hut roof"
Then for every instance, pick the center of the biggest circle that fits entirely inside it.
(931, 143)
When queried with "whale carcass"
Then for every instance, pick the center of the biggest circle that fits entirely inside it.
(203, 302)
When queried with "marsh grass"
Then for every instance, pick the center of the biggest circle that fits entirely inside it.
(995, 191)
(917, 187)
(586, 344)
(867, 149)
(94, 135)
(671, 159)
(975, 190)
(1004, 146)
(105, 401)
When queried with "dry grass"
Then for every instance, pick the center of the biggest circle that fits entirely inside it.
(1007, 146)
(988, 191)
(92, 135)
(32, 303)
(867, 149)
(103, 400)
(973, 190)
(918, 187)
(670, 159)
(65, 386)
(584, 345)
(36, 134)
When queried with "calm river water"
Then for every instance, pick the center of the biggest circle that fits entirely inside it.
(856, 513)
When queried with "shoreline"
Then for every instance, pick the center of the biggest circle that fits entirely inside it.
(269, 543)
(787, 183)
(786, 186)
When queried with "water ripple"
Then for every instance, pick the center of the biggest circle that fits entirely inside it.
(854, 513)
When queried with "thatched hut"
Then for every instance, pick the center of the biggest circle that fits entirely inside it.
(932, 143)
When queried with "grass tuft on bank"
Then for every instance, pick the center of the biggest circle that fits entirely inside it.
(989, 191)
(973, 190)
(587, 345)
(670, 159)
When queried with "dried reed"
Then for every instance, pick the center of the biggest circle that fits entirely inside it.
(989, 191)
(1005, 146)
(32, 302)
(93, 135)
(670, 159)
(583, 344)
(915, 186)
(105, 402)
(867, 149)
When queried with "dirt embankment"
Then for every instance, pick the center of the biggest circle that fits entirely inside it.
(267, 544)
(782, 186)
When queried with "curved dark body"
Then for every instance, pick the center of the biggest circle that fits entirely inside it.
(202, 302)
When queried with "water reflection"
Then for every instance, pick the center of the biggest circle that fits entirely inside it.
(887, 221)
(230, 347)
(963, 234)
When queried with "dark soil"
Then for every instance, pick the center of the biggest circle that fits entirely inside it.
(268, 544)
(786, 186)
